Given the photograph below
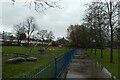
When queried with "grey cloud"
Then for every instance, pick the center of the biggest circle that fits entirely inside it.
(57, 20)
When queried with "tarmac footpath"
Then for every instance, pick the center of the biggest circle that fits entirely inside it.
(83, 67)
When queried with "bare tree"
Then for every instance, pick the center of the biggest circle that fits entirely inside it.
(42, 35)
(94, 20)
(50, 36)
(71, 34)
(78, 35)
(19, 31)
(111, 10)
(100, 23)
(103, 15)
(41, 4)
(30, 27)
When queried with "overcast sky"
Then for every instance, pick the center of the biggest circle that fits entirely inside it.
(56, 20)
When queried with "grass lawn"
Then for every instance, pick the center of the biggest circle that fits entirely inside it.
(15, 70)
(19, 49)
(105, 61)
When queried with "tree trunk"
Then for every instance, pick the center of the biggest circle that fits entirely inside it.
(42, 43)
(20, 42)
(28, 40)
(101, 51)
(95, 47)
(95, 51)
(101, 43)
(18, 37)
(3, 36)
(111, 44)
(91, 50)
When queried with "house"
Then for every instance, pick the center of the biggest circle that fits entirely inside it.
(62, 41)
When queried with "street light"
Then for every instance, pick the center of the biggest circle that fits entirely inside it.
(94, 45)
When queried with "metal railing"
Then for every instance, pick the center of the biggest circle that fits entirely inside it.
(52, 69)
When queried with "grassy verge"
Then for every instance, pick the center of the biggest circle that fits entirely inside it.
(105, 61)
(15, 70)
(0, 62)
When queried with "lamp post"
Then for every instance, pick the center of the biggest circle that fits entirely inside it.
(3, 35)
(94, 45)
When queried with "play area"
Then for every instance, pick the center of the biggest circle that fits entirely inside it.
(18, 60)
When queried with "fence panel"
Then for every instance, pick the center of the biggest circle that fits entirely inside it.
(53, 68)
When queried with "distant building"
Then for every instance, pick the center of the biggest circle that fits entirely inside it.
(0, 38)
(6, 36)
(62, 41)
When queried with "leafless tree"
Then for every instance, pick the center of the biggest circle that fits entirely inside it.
(94, 20)
(41, 4)
(30, 27)
(50, 36)
(102, 15)
(112, 7)
(71, 34)
(78, 35)
(19, 29)
(42, 35)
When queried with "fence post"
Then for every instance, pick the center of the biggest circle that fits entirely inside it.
(55, 69)
(65, 59)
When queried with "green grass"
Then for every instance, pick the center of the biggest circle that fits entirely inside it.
(19, 49)
(15, 70)
(0, 66)
(105, 61)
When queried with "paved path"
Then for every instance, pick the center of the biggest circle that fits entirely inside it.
(81, 66)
